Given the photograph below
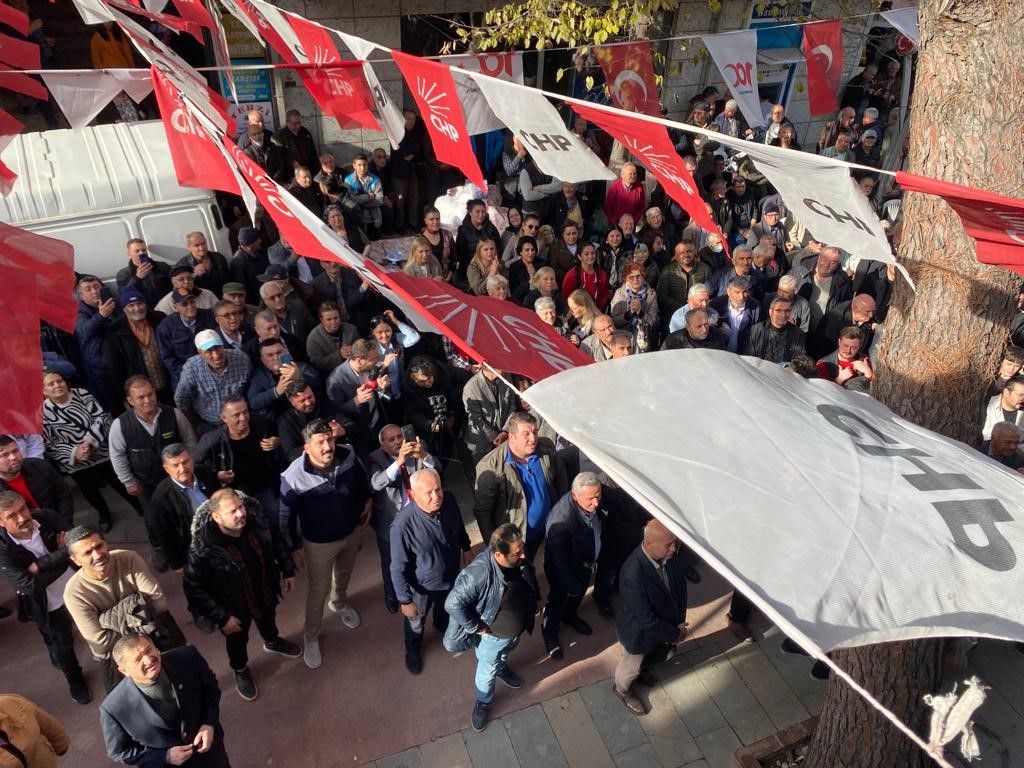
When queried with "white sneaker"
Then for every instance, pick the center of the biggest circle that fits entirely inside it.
(349, 615)
(311, 654)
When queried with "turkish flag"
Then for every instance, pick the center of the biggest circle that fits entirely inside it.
(339, 89)
(995, 222)
(651, 145)
(437, 97)
(823, 51)
(506, 336)
(198, 162)
(629, 76)
(19, 53)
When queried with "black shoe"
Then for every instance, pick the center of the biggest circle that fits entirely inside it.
(479, 719)
(283, 647)
(820, 671)
(788, 646)
(413, 662)
(4, 612)
(553, 648)
(104, 525)
(158, 558)
(80, 692)
(579, 625)
(510, 678)
(646, 679)
(606, 610)
(245, 685)
(692, 576)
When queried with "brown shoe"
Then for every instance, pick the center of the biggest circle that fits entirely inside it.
(633, 704)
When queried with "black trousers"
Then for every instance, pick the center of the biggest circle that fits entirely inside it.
(561, 605)
(238, 643)
(91, 479)
(60, 643)
(432, 601)
(740, 608)
(384, 548)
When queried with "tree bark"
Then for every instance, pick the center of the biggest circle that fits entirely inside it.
(943, 342)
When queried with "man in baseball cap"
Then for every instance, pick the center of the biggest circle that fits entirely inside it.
(249, 262)
(183, 278)
(210, 377)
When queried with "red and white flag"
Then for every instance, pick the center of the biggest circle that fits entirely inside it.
(823, 51)
(435, 93)
(735, 53)
(198, 162)
(341, 89)
(995, 222)
(653, 148)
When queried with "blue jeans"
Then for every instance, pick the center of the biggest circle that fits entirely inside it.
(492, 659)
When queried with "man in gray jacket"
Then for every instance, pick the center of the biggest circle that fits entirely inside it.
(489, 403)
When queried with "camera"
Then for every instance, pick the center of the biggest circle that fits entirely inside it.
(439, 404)
(371, 382)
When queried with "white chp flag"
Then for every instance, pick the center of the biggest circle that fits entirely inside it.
(735, 53)
(504, 65)
(845, 524)
(530, 116)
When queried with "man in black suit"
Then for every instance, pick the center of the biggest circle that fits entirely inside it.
(390, 468)
(354, 387)
(165, 711)
(737, 312)
(175, 501)
(653, 587)
(35, 481)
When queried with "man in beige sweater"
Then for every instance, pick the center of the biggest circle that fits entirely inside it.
(105, 578)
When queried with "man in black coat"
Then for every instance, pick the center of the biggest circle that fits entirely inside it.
(150, 278)
(238, 569)
(175, 500)
(35, 561)
(35, 481)
(572, 544)
(696, 334)
(737, 313)
(165, 711)
(653, 588)
(776, 340)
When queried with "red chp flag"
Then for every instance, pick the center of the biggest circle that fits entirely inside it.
(198, 162)
(195, 11)
(823, 52)
(435, 93)
(995, 222)
(340, 89)
(651, 145)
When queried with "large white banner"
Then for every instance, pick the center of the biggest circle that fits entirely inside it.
(735, 54)
(530, 116)
(504, 65)
(845, 524)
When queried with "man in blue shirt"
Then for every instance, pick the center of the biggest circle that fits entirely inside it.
(428, 542)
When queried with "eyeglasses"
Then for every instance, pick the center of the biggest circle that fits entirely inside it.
(229, 314)
(635, 276)
(273, 296)
(421, 369)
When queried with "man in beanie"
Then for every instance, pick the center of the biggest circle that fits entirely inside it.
(130, 348)
(249, 262)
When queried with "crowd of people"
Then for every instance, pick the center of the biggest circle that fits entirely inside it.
(260, 409)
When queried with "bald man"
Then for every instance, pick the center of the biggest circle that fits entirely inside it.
(651, 624)
(1004, 446)
(429, 543)
(625, 195)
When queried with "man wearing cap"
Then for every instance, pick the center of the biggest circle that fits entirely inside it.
(868, 150)
(176, 333)
(209, 267)
(770, 224)
(183, 278)
(867, 120)
(96, 311)
(130, 348)
(209, 377)
(249, 262)
(280, 298)
(235, 293)
(150, 278)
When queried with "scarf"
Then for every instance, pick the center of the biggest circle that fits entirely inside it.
(641, 295)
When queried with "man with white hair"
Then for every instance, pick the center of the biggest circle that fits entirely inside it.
(571, 548)
(429, 543)
(625, 195)
(799, 309)
(823, 284)
(729, 121)
(697, 298)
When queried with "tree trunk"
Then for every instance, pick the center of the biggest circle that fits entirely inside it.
(942, 344)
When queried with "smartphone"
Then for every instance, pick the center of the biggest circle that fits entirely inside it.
(408, 434)
(145, 258)
(287, 359)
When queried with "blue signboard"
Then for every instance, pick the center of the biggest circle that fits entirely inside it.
(252, 85)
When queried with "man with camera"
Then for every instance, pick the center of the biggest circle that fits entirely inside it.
(356, 387)
(390, 467)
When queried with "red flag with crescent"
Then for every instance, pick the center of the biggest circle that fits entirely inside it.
(823, 51)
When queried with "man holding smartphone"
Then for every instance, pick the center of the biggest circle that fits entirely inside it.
(151, 278)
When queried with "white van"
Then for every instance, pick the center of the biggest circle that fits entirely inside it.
(101, 186)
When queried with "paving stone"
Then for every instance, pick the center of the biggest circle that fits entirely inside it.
(770, 689)
(491, 748)
(449, 752)
(533, 740)
(694, 704)
(718, 748)
(577, 735)
(408, 759)
(795, 669)
(642, 756)
(668, 736)
(698, 764)
(618, 726)
(734, 699)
